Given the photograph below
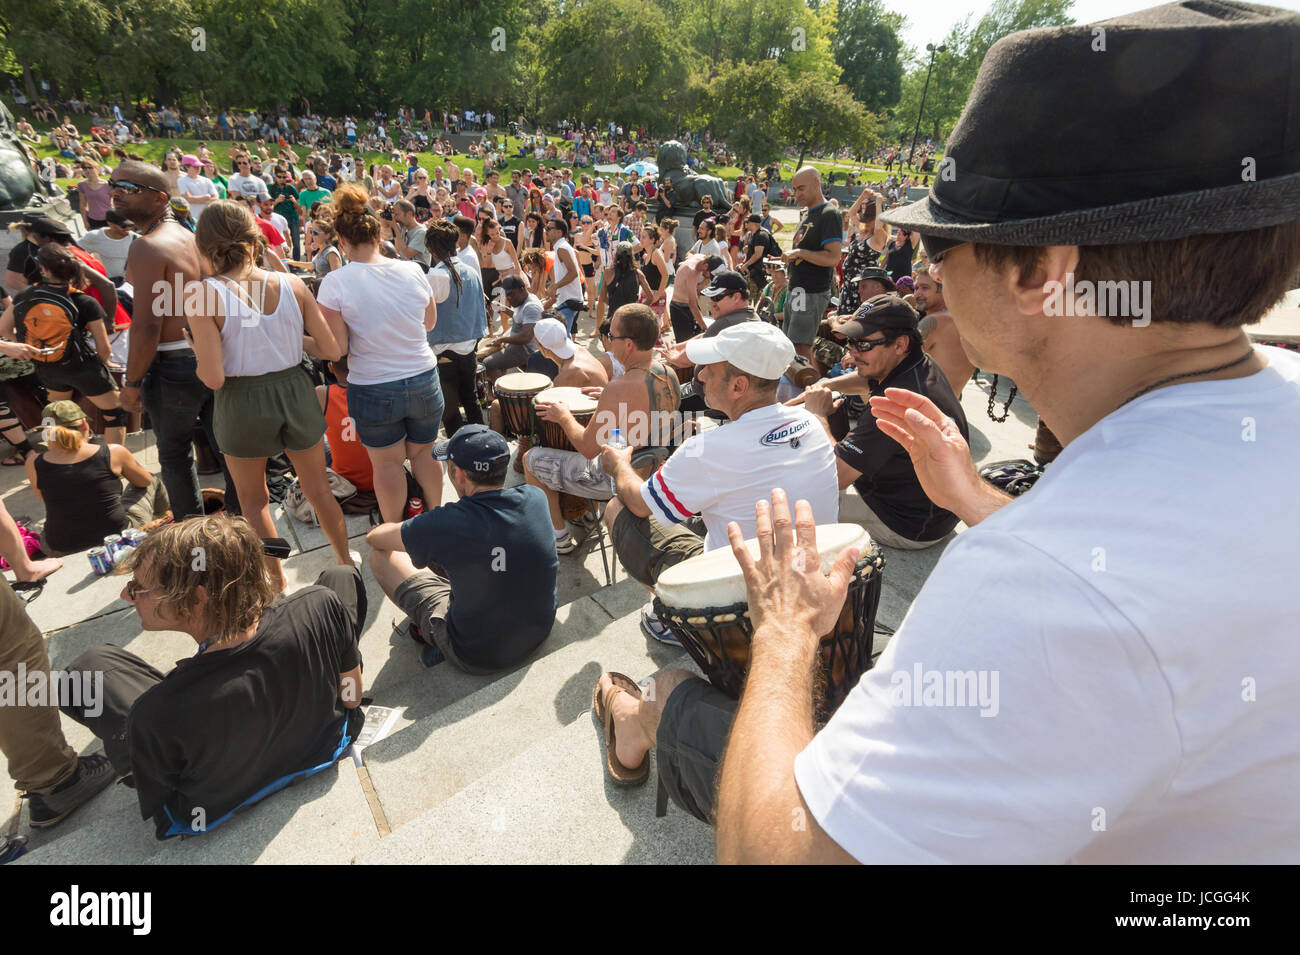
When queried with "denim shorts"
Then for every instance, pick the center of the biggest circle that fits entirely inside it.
(405, 410)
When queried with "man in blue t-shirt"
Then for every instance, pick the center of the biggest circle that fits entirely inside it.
(487, 597)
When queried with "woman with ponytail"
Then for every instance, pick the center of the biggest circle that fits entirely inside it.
(462, 321)
(81, 485)
(381, 311)
(249, 331)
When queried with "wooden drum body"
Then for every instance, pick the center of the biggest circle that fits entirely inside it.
(703, 602)
(516, 392)
(549, 433)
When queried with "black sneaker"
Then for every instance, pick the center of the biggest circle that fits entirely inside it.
(93, 774)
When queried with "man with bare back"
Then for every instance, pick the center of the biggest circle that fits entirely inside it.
(161, 370)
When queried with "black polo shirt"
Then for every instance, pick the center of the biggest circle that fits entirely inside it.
(888, 483)
(225, 725)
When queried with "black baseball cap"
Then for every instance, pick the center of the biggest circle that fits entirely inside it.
(478, 449)
(880, 313)
(714, 262)
(875, 274)
(725, 282)
(755, 217)
(44, 225)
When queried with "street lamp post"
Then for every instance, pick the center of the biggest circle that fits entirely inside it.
(932, 50)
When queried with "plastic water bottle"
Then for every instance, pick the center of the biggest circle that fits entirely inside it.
(616, 441)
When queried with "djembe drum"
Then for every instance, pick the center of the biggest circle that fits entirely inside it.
(551, 435)
(703, 601)
(516, 392)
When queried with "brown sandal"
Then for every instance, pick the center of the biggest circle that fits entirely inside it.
(619, 774)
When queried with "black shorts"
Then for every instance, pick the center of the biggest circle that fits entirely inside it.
(90, 378)
(692, 738)
(589, 270)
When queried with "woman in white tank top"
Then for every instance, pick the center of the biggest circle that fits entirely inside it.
(249, 330)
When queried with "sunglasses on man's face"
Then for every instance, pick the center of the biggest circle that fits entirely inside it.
(131, 188)
(866, 344)
(134, 590)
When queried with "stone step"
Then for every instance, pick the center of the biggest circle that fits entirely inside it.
(430, 756)
(551, 804)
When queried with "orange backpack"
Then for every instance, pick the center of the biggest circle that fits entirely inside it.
(47, 319)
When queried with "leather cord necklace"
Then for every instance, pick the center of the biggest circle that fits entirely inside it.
(1189, 374)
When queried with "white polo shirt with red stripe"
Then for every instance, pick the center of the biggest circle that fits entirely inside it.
(722, 473)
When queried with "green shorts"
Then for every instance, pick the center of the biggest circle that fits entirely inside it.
(647, 548)
(262, 415)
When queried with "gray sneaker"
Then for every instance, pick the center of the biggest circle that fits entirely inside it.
(93, 774)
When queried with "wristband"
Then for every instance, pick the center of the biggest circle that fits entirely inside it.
(133, 384)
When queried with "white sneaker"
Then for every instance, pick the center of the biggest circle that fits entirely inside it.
(565, 544)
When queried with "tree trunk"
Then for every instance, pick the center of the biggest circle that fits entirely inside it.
(803, 151)
(29, 84)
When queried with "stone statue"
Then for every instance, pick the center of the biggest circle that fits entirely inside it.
(17, 182)
(680, 189)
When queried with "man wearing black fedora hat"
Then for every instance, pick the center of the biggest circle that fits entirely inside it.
(1136, 712)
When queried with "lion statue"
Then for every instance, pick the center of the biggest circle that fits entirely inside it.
(679, 188)
(17, 182)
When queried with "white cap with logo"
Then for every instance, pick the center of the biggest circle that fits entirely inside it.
(756, 348)
(553, 336)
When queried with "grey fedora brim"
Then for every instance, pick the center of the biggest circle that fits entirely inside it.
(1236, 208)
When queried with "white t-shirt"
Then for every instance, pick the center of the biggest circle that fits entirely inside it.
(707, 248)
(246, 186)
(470, 258)
(201, 188)
(112, 252)
(1138, 609)
(382, 304)
(722, 473)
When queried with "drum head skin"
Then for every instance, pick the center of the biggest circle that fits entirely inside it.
(714, 579)
(573, 397)
(522, 383)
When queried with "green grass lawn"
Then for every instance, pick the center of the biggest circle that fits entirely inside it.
(156, 148)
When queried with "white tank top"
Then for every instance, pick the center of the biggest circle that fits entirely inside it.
(501, 261)
(572, 290)
(254, 343)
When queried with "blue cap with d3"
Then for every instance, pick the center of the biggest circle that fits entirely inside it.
(477, 449)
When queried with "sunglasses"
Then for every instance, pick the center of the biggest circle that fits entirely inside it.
(132, 188)
(134, 590)
(865, 345)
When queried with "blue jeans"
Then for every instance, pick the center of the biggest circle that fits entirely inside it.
(569, 309)
(176, 401)
(406, 410)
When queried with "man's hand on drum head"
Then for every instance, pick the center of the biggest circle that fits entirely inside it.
(786, 584)
(551, 410)
(939, 453)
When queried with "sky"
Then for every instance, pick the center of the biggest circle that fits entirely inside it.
(940, 15)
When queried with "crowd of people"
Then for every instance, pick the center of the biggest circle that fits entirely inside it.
(732, 388)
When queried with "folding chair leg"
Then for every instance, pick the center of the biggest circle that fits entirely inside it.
(293, 530)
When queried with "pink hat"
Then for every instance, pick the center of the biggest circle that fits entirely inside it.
(189, 159)
(480, 191)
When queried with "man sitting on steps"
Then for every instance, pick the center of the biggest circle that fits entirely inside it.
(489, 550)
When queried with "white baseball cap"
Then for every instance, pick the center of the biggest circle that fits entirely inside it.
(553, 336)
(756, 348)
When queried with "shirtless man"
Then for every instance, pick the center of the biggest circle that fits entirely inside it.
(684, 307)
(161, 370)
(579, 368)
(639, 402)
(939, 335)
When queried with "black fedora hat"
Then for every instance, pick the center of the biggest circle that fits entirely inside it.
(1174, 121)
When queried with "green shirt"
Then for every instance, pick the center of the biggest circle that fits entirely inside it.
(308, 197)
(284, 206)
(220, 183)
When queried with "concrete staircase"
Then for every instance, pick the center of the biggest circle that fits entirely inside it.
(506, 768)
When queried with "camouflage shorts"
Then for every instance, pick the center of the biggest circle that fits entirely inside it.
(827, 352)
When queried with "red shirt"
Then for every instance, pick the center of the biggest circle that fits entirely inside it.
(272, 234)
(120, 318)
